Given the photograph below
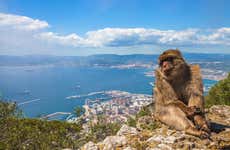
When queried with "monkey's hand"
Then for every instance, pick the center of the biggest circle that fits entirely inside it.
(192, 111)
(204, 135)
(159, 75)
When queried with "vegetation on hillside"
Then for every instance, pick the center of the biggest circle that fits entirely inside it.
(26, 133)
(37, 134)
(148, 124)
(8, 109)
(23, 133)
(219, 94)
(100, 131)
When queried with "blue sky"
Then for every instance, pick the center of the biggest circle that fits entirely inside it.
(85, 27)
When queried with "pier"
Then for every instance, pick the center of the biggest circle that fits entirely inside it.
(55, 114)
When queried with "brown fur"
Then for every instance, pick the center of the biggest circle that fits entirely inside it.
(178, 95)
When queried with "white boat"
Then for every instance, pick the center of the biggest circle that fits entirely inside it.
(73, 97)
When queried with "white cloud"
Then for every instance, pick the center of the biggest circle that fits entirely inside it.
(21, 22)
(115, 37)
(71, 39)
(218, 36)
(21, 32)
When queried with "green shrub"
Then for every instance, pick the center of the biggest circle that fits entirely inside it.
(26, 133)
(79, 111)
(151, 125)
(100, 131)
(131, 121)
(145, 111)
(219, 94)
(9, 109)
(37, 134)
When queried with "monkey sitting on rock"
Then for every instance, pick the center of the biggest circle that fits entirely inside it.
(178, 93)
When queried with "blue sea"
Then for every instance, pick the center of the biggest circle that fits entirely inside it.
(45, 88)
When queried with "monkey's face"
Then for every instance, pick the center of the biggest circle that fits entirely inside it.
(167, 65)
(172, 64)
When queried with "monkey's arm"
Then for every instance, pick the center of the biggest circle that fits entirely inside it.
(189, 111)
(196, 98)
(163, 87)
(165, 95)
(196, 88)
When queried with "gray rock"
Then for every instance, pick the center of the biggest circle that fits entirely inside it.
(111, 142)
(162, 139)
(220, 114)
(129, 148)
(90, 146)
(127, 130)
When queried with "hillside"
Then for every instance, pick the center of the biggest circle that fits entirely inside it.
(136, 138)
(18, 132)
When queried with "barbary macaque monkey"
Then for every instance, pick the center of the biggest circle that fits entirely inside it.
(178, 93)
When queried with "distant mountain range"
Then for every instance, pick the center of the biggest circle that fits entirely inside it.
(211, 61)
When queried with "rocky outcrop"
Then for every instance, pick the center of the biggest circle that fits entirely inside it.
(90, 146)
(112, 142)
(126, 130)
(130, 138)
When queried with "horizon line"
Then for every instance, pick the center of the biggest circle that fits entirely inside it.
(203, 53)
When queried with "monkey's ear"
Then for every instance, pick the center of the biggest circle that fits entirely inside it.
(178, 53)
(159, 62)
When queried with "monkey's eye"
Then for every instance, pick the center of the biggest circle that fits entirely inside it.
(170, 59)
(161, 63)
